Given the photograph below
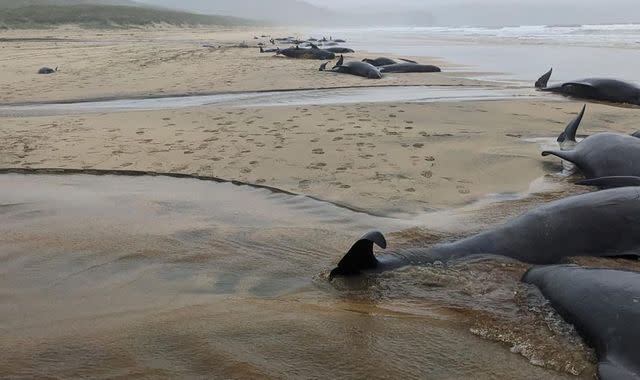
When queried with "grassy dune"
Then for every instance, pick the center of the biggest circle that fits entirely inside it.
(43, 15)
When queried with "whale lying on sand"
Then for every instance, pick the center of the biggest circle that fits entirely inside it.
(361, 69)
(603, 154)
(600, 224)
(603, 89)
(604, 307)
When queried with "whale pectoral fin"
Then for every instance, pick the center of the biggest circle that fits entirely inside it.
(569, 133)
(408, 60)
(544, 79)
(360, 256)
(636, 134)
(323, 66)
(564, 154)
(609, 182)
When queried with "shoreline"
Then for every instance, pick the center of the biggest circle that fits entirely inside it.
(197, 94)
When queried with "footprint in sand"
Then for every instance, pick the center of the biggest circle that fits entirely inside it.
(462, 189)
(429, 158)
(317, 151)
(304, 184)
(418, 145)
(427, 174)
(317, 165)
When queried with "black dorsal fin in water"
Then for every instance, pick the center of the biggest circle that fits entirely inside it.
(360, 256)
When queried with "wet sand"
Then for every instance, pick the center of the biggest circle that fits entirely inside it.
(161, 277)
(156, 277)
(384, 158)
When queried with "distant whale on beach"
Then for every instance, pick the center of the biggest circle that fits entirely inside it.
(409, 68)
(301, 53)
(361, 69)
(383, 61)
(604, 307)
(603, 89)
(600, 224)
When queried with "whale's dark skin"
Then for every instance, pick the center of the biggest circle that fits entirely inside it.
(383, 61)
(340, 50)
(604, 306)
(603, 223)
(409, 68)
(301, 53)
(603, 89)
(361, 69)
(47, 70)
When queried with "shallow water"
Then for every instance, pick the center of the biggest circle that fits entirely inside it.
(519, 54)
(107, 276)
(419, 94)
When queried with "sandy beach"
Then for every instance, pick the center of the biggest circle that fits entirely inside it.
(178, 280)
(379, 157)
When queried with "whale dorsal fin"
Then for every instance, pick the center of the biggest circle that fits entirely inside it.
(360, 255)
(569, 133)
(544, 79)
(340, 61)
(610, 182)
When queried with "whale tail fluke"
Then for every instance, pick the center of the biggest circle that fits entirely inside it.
(611, 182)
(569, 133)
(360, 256)
(544, 79)
(261, 49)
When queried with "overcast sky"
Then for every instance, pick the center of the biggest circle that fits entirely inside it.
(441, 12)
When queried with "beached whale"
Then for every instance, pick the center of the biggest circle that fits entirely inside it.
(604, 307)
(383, 61)
(47, 70)
(603, 154)
(340, 50)
(603, 223)
(407, 67)
(604, 89)
(302, 53)
(361, 69)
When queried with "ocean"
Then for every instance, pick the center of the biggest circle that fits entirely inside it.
(519, 54)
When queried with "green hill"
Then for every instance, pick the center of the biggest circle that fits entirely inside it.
(41, 14)
(4, 4)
